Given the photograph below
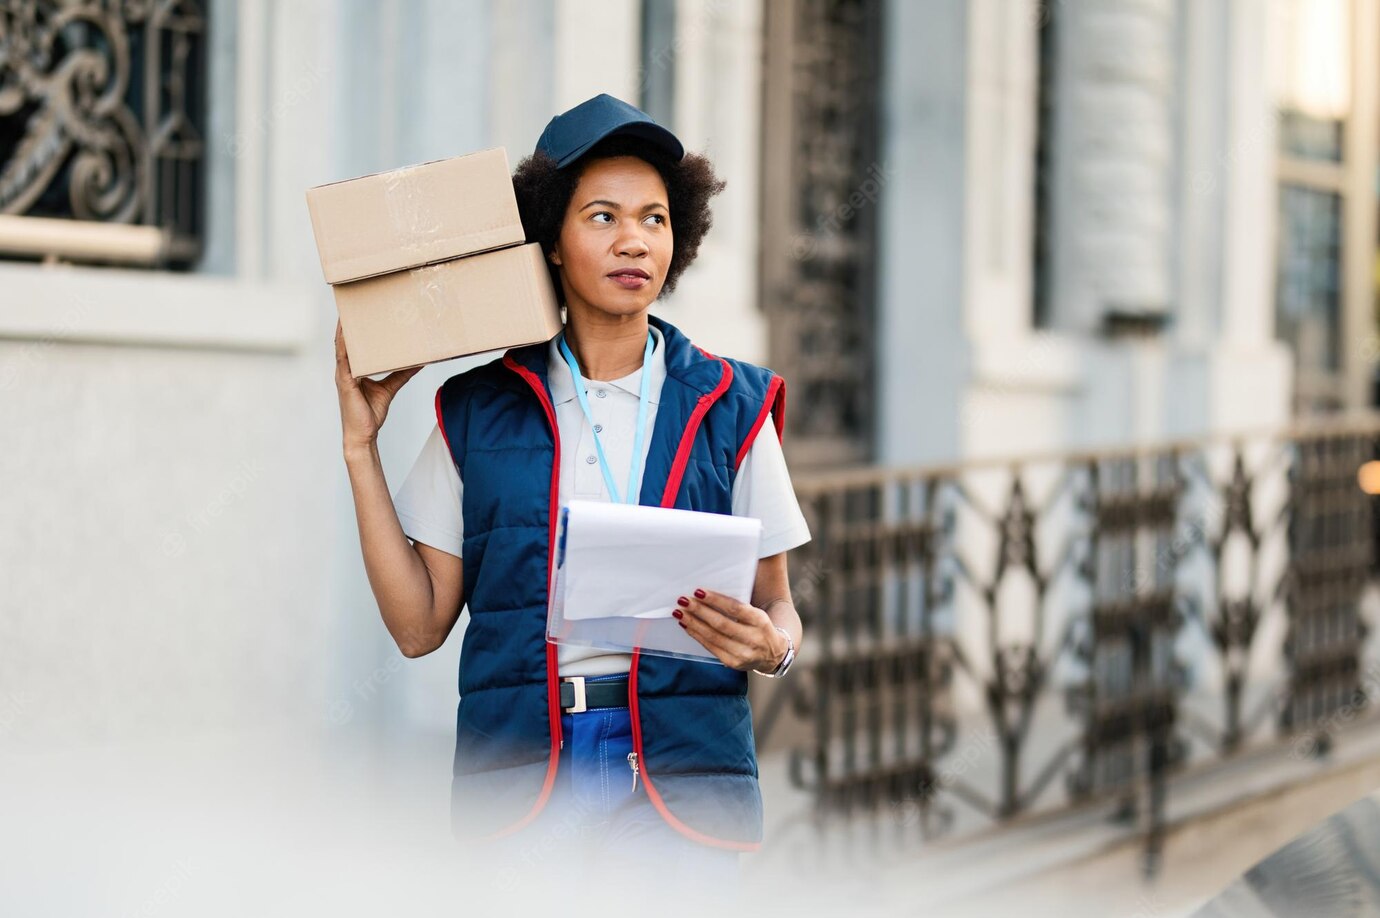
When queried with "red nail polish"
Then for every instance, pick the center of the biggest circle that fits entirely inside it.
(684, 602)
(676, 613)
(699, 594)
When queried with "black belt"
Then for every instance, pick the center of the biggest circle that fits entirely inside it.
(578, 694)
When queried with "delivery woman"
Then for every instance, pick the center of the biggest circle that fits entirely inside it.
(645, 756)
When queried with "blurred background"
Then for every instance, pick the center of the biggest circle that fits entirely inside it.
(1076, 305)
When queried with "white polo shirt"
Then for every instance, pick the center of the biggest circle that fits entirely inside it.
(430, 500)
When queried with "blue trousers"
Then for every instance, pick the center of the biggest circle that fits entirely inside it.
(599, 829)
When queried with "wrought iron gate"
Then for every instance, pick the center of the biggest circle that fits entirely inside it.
(820, 177)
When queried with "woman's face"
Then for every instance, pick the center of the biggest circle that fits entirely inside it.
(615, 244)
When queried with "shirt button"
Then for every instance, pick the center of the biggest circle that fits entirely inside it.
(600, 392)
(591, 459)
(598, 428)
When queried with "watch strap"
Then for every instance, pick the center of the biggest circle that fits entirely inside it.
(786, 661)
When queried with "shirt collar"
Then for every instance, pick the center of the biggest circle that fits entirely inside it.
(563, 384)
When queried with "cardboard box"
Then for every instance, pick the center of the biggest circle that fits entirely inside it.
(463, 306)
(417, 215)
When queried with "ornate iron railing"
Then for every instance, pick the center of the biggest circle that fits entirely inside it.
(101, 128)
(1183, 602)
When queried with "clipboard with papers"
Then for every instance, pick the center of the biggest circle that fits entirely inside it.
(620, 567)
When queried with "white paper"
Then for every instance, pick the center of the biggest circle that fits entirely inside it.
(620, 568)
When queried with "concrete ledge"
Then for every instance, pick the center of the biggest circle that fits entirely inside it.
(1046, 361)
(62, 303)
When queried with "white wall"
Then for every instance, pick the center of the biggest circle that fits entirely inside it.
(167, 527)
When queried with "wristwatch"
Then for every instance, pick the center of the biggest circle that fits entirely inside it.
(786, 661)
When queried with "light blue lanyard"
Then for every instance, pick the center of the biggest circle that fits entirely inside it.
(634, 467)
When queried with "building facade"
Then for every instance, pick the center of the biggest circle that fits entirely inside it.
(959, 229)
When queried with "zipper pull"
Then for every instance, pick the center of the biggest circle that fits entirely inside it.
(632, 763)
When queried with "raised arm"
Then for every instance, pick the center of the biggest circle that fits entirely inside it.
(419, 589)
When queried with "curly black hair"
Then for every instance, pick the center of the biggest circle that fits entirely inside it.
(544, 192)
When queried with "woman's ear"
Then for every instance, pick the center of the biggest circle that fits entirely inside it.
(555, 256)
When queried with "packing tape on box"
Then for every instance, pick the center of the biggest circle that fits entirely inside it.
(414, 223)
(427, 299)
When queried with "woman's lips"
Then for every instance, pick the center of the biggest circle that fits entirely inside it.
(629, 281)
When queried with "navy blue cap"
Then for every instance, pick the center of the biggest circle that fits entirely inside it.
(570, 134)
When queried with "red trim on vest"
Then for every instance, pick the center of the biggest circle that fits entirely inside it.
(552, 690)
(439, 422)
(774, 402)
(692, 426)
(652, 793)
(778, 417)
(668, 499)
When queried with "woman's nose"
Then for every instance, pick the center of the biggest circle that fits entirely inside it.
(631, 243)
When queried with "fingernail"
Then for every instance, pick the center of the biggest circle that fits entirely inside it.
(699, 594)
(684, 602)
(676, 613)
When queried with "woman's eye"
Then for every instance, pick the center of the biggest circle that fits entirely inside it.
(660, 218)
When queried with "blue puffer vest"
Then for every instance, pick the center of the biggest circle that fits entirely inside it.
(692, 727)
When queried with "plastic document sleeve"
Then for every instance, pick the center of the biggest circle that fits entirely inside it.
(620, 568)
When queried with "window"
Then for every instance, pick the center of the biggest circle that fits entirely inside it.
(101, 131)
(1316, 102)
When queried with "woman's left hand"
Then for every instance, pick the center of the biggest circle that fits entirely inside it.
(742, 636)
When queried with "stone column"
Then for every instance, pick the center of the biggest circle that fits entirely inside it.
(921, 361)
(1114, 167)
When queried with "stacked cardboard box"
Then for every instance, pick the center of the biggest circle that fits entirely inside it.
(428, 263)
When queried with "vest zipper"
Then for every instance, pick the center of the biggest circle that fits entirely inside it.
(632, 763)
